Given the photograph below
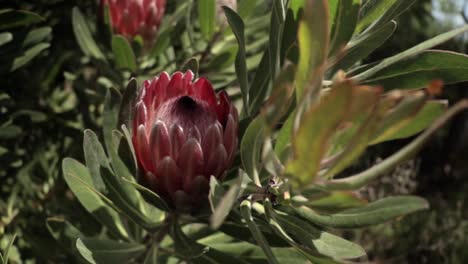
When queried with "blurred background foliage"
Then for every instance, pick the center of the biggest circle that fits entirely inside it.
(52, 93)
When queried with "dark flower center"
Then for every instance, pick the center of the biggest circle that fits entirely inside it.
(186, 103)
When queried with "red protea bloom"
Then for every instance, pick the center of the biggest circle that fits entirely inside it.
(136, 17)
(183, 133)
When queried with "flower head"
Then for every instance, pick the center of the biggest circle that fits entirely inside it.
(183, 133)
(136, 17)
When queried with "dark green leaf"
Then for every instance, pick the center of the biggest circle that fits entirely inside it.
(224, 205)
(363, 46)
(5, 38)
(259, 87)
(250, 148)
(108, 251)
(18, 18)
(28, 55)
(80, 182)
(184, 246)
(63, 232)
(127, 106)
(418, 71)
(371, 214)
(95, 157)
(123, 53)
(237, 26)
(151, 196)
(83, 35)
(191, 65)
(410, 52)
(246, 213)
(372, 11)
(343, 28)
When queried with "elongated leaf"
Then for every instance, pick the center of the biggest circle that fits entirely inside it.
(372, 11)
(276, 32)
(423, 119)
(313, 37)
(371, 214)
(324, 243)
(150, 195)
(310, 241)
(83, 35)
(363, 46)
(283, 140)
(392, 13)
(6, 253)
(250, 149)
(127, 106)
(337, 201)
(361, 179)
(343, 28)
(80, 182)
(5, 37)
(191, 65)
(95, 157)
(206, 17)
(256, 233)
(28, 55)
(35, 36)
(63, 232)
(185, 246)
(18, 18)
(225, 204)
(259, 87)
(108, 251)
(123, 53)
(418, 71)
(237, 26)
(410, 52)
(400, 116)
(316, 129)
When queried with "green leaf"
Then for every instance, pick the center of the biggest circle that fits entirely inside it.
(6, 253)
(337, 201)
(123, 53)
(309, 250)
(191, 65)
(392, 13)
(108, 251)
(5, 37)
(207, 17)
(95, 157)
(418, 71)
(225, 204)
(184, 246)
(410, 52)
(36, 35)
(313, 37)
(251, 147)
(343, 28)
(400, 115)
(246, 213)
(83, 35)
(316, 128)
(423, 119)
(18, 18)
(283, 140)
(324, 243)
(371, 214)
(128, 103)
(372, 11)
(10, 131)
(28, 55)
(361, 179)
(80, 182)
(63, 232)
(259, 87)
(151, 196)
(276, 34)
(363, 46)
(237, 26)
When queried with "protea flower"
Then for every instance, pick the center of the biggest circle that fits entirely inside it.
(183, 133)
(136, 17)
